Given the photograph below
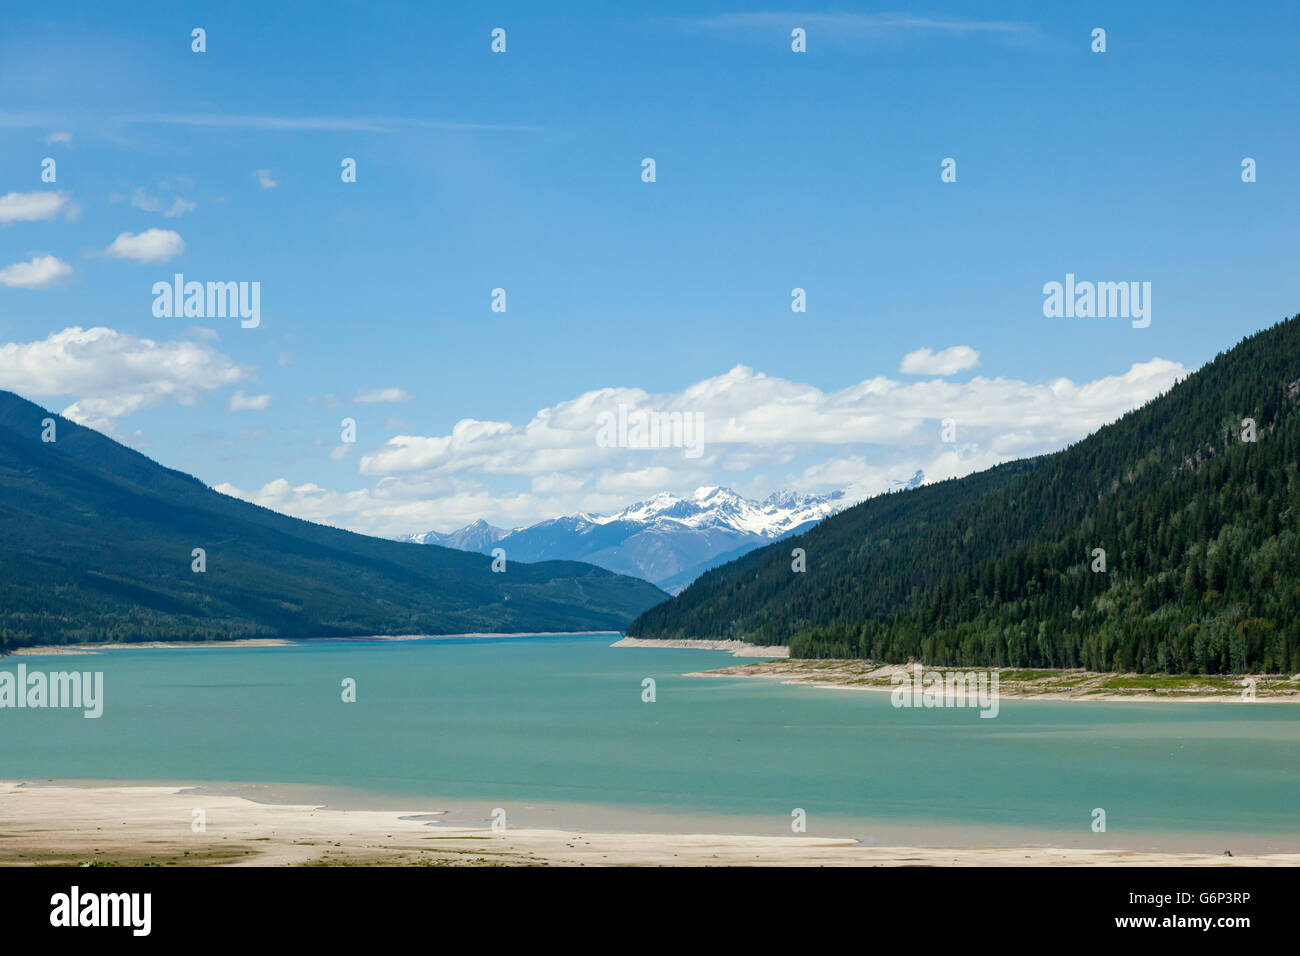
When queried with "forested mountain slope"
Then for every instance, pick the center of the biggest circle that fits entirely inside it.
(96, 543)
(1201, 532)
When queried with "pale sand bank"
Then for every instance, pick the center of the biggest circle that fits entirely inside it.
(1021, 684)
(61, 824)
(55, 650)
(736, 648)
(59, 650)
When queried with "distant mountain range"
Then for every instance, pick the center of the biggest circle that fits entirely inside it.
(1167, 541)
(479, 536)
(666, 540)
(97, 542)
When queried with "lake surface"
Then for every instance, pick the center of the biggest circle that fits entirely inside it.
(555, 730)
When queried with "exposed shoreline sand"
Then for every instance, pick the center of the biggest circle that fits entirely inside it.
(59, 824)
(1019, 684)
(57, 650)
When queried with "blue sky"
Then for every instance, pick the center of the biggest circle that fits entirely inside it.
(522, 171)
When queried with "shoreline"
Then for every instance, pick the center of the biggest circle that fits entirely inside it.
(1020, 683)
(735, 648)
(57, 650)
(64, 824)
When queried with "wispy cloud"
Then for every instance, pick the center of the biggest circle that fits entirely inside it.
(328, 124)
(25, 118)
(264, 178)
(177, 207)
(858, 25)
(112, 128)
(373, 396)
(239, 402)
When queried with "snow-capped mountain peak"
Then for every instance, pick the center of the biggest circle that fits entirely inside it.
(717, 506)
(665, 539)
(916, 481)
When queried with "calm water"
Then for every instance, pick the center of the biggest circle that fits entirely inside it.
(560, 722)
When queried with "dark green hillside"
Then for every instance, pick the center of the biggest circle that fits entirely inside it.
(95, 544)
(1201, 532)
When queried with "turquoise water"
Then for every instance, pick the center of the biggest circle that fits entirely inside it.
(561, 721)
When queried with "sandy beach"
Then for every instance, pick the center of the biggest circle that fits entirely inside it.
(1022, 684)
(57, 824)
(69, 650)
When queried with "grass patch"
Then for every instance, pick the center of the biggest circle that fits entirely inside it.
(1171, 682)
(1028, 674)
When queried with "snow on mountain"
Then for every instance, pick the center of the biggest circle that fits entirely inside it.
(716, 507)
(665, 539)
(479, 536)
(916, 481)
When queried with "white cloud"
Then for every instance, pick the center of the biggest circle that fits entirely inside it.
(949, 361)
(372, 396)
(746, 412)
(61, 137)
(33, 206)
(265, 179)
(760, 433)
(40, 273)
(152, 245)
(239, 402)
(113, 374)
(391, 509)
